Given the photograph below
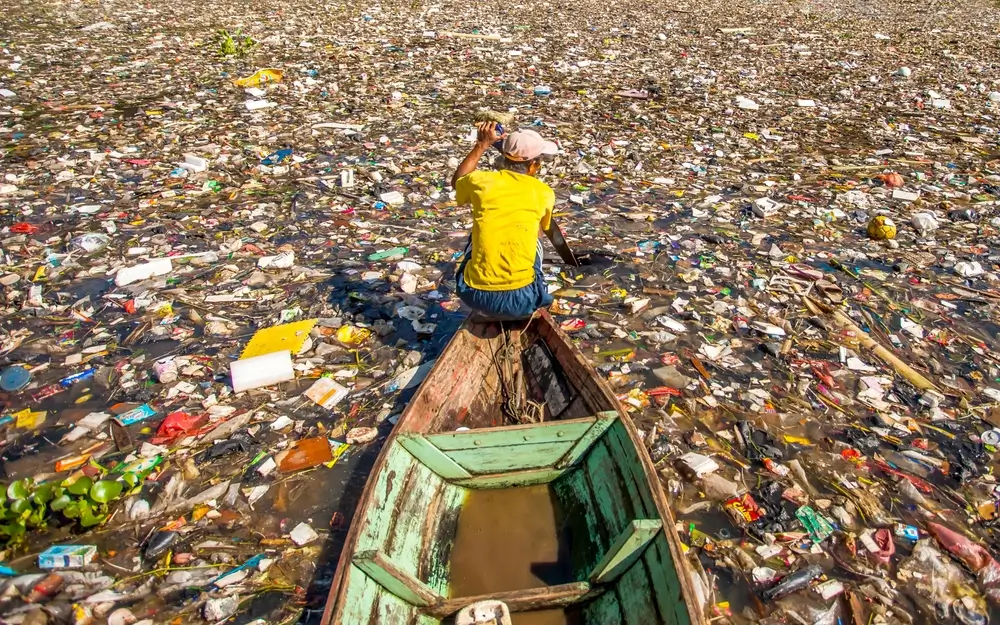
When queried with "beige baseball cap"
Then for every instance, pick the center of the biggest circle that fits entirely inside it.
(527, 145)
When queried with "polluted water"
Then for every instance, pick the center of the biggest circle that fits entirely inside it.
(228, 243)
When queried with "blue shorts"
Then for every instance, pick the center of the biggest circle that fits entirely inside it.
(501, 305)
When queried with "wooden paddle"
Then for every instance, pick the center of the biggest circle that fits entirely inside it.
(559, 242)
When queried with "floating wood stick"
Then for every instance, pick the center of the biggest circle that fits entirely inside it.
(871, 344)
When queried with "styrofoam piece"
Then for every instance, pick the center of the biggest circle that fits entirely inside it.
(145, 271)
(259, 371)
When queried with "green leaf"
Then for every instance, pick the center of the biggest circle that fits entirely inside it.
(89, 519)
(81, 486)
(131, 479)
(18, 489)
(106, 490)
(60, 502)
(15, 531)
(44, 494)
(37, 517)
(72, 510)
(20, 506)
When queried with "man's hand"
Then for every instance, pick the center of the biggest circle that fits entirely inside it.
(487, 134)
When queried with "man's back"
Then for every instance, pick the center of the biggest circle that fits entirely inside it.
(507, 210)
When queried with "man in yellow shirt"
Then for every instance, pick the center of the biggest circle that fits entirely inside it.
(501, 274)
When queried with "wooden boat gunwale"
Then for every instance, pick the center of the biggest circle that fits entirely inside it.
(415, 420)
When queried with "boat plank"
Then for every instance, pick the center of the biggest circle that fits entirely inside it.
(658, 558)
(604, 609)
(626, 456)
(579, 372)
(613, 509)
(405, 542)
(484, 409)
(521, 600)
(635, 596)
(391, 577)
(626, 550)
(511, 458)
(380, 515)
(427, 453)
(391, 609)
(533, 433)
(454, 382)
(679, 613)
(512, 479)
(359, 600)
(603, 421)
(439, 536)
(665, 594)
(588, 536)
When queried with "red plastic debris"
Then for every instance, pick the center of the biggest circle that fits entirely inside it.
(176, 424)
(24, 228)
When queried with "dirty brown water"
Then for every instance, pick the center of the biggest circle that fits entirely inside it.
(317, 493)
(522, 522)
(510, 539)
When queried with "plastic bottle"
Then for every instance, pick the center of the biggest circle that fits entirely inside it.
(47, 587)
(794, 582)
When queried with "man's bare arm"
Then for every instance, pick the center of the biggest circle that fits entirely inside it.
(486, 136)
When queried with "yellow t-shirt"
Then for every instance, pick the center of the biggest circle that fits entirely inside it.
(507, 209)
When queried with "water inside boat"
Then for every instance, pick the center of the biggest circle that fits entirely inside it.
(509, 539)
(512, 539)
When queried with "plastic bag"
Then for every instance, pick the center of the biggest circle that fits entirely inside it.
(924, 223)
(260, 77)
(91, 243)
(352, 335)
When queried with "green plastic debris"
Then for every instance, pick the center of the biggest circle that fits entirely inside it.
(396, 251)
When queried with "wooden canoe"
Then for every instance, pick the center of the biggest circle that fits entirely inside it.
(618, 558)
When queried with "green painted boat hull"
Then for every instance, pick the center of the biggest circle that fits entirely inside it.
(623, 561)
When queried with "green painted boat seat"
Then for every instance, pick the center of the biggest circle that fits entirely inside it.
(503, 450)
(544, 598)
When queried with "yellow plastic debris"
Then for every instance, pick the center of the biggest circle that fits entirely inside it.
(199, 512)
(352, 335)
(338, 450)
(290, 336)
(29, 420)
(261, 77)
(797, 440)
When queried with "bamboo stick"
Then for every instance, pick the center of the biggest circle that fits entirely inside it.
(871, 344)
